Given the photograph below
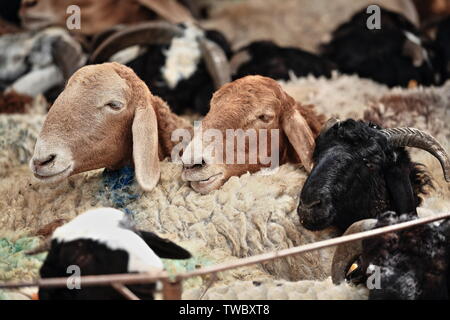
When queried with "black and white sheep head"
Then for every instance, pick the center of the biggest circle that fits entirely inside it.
(182, 64)
(361, 171)
(104, 241)
(412, 264)
(187, 45)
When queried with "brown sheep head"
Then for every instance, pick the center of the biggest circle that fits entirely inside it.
(252, 102)
(104, 118)
(99, 15)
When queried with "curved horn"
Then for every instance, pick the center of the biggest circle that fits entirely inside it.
(141, 34)
(348, 252)
(216, 62)
(415, 138)
(99, 38)
(331, 122)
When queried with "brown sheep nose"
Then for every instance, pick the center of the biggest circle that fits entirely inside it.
(45, 161)
(194, 166)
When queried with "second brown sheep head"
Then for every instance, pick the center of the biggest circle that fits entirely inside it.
(252, 102)
(104, 118)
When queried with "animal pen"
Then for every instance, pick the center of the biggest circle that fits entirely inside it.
(172, 285)
(224, 149)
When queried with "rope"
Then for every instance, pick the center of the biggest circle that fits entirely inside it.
(265, 257)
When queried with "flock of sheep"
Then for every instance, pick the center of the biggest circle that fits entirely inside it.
(110, 115)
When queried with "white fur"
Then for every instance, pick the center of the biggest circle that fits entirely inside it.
(104, 225)
(33, 50)
(182, 57)
(269, 289)
(38, 81)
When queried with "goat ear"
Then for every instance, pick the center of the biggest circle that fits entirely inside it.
(145, 147)
(164, 248)
(300, 136)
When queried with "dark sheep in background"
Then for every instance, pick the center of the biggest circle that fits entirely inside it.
(393, 55)
(33, 63)
(9, 11)
(361, 171)
(270, 60)
(443, 45)
(187, 93)
(413, 263)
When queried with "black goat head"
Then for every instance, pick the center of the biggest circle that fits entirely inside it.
(361, 170)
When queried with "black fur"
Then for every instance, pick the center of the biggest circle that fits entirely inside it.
(378, 54)
(443, 45)
(270, 60)
(191, 94)
(9, 10)
(93, 258)
(164, 248)
(414, 263)
(358, 175)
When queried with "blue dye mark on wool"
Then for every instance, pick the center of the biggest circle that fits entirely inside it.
(118, 189)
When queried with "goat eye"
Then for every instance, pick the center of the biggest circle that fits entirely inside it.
(354, 273)
(265, 118)
(30, 3)
(115, 105)
(354, 266)
(369, 164)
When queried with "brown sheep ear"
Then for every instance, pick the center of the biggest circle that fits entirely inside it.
(300, 136)
(145, 147)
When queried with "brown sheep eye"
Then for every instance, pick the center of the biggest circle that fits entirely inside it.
(265, 118)
(115, 105)
(30, 3)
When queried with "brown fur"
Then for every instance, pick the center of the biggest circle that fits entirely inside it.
(13, 102)
(99, 15)
(7, 28)
(416, 108)
(47, 230)
(431, 9)
(167, 120)
(84, 132)
(238, 105)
